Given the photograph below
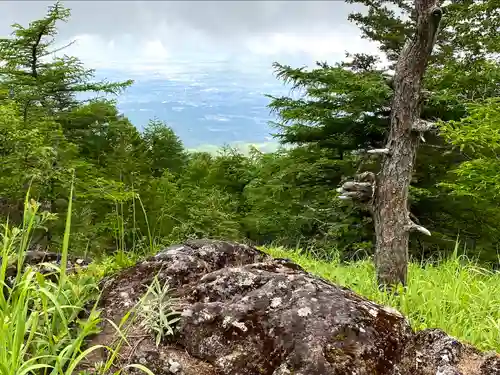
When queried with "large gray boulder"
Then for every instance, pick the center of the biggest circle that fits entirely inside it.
(244, 313)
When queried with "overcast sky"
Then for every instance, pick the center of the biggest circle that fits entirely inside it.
(169, 36)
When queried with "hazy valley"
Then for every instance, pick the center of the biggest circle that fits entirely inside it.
(206, 106)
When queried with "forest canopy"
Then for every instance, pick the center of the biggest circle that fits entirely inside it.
(143, 189)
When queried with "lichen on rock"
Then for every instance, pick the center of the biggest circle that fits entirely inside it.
(244, 313)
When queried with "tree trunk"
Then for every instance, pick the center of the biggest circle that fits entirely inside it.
(389, 189)
(390, 211)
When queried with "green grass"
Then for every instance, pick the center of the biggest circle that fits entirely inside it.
(41, 332)
(39, 329)
(454, 295)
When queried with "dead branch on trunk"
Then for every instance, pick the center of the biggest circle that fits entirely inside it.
(423, 126)
(387, 194)
(379, 151)
(418, 228)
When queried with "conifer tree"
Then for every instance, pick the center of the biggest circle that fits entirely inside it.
(38, 80)
(46, 88)
(346, 109)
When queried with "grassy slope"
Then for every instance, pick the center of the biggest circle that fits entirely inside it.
(455, 295)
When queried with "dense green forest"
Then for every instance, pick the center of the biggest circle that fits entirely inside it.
(136, 191)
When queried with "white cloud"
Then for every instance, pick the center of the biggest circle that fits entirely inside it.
(324, 45)
(185, 40)
(142, 56)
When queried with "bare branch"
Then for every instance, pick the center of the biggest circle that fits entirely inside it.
(367, 177)
(423, 126)
(426, 94)
(344, 197)
(374, 151)
(414, 218)
(352, 195)
(418, 228)
(379, 151)
(353, 185)
(359, 190)
(59, 49)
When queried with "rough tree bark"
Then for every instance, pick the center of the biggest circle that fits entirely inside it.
(386, 194)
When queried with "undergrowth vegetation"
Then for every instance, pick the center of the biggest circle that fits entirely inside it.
(47, 312)
(155, 311)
